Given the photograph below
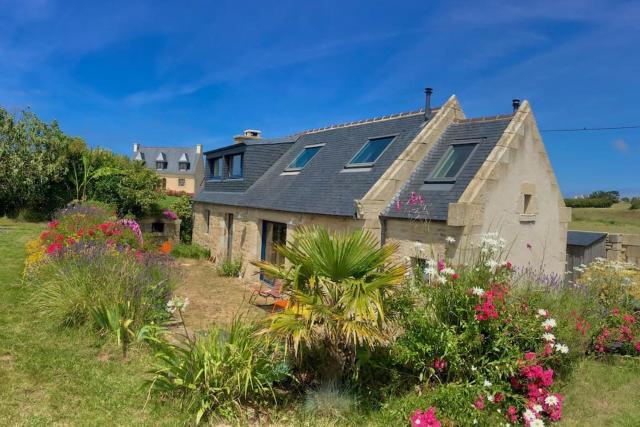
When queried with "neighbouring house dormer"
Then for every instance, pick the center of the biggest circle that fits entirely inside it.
(183, 163)
(161, 161)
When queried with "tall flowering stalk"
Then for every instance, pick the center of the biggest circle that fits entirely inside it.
(134, 227)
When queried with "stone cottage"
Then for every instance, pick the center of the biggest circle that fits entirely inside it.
(181, 169)
(411, 178)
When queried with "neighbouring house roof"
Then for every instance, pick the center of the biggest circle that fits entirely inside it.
(324, 185)
(437, 194)
(584, 238)
(171, 155)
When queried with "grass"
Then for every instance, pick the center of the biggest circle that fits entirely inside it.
(52, 375)
(166, 201)
(616, 219)
(604, 394)
(61, 376)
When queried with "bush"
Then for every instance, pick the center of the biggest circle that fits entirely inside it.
(190, 251)
(589, 203)
(230, 267)
(220, 372)
(183, 207)
(328, 402)
(635, 203)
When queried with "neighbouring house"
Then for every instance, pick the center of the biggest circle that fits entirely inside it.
(412, 179)
(180, 168)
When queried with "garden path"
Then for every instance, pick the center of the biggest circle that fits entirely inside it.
(213, 299)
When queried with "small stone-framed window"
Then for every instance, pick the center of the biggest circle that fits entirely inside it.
(181, 182)
(157, 227)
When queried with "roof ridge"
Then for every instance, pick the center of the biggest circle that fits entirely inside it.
(485, 118)
(363, 121)
(180, 146)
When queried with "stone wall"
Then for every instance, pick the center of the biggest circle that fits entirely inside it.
(247, 230)
(170, 232)
(623, 247)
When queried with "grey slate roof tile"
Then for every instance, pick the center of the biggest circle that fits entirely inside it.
(584, 238)
(324, 186)
(436, 206)
(171, 155)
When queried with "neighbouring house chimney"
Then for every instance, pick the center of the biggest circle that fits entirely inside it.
(248, 134)
(427, 103)
(198, 148)
(515, 104)
(136, 147)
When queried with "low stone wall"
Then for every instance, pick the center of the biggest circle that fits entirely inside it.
(623, 247)
(163, 229)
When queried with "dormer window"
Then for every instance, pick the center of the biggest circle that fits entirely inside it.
(304, 157)
(370, 152)
(183, 163)
(234, 166)
(215, 167)
(161, 162)
(453, 161)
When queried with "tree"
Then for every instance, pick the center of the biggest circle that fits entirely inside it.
(612, 196)
(183, 207)
(338, 286)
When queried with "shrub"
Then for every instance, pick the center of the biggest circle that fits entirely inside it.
(339, 286)
(328, 401)
(635, 203)
(230, 267)
(190, 251)
(467, 326)
(220, 372)
(183, 208)
(589, 203)
(611, 283)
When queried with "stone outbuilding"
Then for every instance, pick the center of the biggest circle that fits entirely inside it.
(412, 179)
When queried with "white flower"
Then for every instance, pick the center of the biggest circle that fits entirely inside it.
(432, 263)
(442, 280)
(548, 337)
(475, 421)
(448, 271)
(450, 240)
(177, 303)
(487, 383)
(549, 323)
(492, 264)
(473, 368)
(529, 415)
(542, 312)
(536, 423)
(417, 421)
(537, 408)
(562, 348)
(477, 291)
(490, 398)
(431, 271)
(551, 400)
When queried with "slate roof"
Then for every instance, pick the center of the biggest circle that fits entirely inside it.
(324, 186)
(172, 157)
(437, 196)
(584, 238)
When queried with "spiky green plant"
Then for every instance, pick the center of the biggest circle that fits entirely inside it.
(338, 284)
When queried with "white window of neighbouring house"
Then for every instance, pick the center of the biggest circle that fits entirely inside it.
(215, 167)
(161, 165)
(234, 166)
(184, 166)
(453, 160)
(181, 182)
(304, 157)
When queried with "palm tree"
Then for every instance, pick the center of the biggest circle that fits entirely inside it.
(338, 286)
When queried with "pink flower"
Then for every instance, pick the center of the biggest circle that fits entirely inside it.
(441, 265)
(638, 346)
(170, 214)
(439, 364)
(529, 356)
(479, 403)
(616, 311)
(425, 419)
(629, 318)
(54, 247)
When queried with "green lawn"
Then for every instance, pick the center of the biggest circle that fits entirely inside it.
(50, 375)
(167, 201)
(59, 376)
(616, 219)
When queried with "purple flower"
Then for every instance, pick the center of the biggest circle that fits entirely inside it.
(170, 214)
(133, 226)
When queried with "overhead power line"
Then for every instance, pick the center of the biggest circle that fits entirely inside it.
(590, 129)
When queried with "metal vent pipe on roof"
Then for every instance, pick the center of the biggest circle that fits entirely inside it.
(427, 103)
(515, 104)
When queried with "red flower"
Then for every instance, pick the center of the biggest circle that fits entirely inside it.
(638, 346)
(439, 364)
(616, 311)
(499, 397)
(455, 276)
(479, 403)
(629, 318)
(44, 235)
(54, 247)
(53, 224)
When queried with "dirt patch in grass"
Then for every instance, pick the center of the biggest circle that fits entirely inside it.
(214, 300)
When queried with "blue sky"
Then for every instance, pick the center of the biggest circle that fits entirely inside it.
(181, 73)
